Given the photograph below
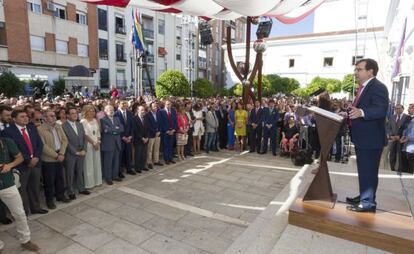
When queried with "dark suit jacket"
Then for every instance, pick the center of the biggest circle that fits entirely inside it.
(271, 117)
(140, 130)
(153, 125)
(370, 132)
(14, 133)
(76, 142)
(256, 118)
(128, 127)
(111, 134)
(164, 124)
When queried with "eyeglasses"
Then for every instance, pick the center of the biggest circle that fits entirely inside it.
(359, 69)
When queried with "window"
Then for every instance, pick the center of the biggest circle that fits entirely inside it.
(120, 52)
(103, 49)
(82, 50)
(178, 57)
(161, 26)
(104, 78)
(34, 6)
(328, 62)
(3, 34)
(178, 34)
(81, 18)
(61, 47)
(291, 63)
(60, 11)
(120, 78)
(356, 59)
(102, 20)
(119, 25)
(37, 43)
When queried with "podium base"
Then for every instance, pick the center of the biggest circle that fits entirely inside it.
(323, 203)
(390, 231)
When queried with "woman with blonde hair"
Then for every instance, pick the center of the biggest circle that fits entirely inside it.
(93, 170)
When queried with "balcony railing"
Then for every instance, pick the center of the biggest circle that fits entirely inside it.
(120, 29)
(148, 33)
(121, 57)
(150, 58)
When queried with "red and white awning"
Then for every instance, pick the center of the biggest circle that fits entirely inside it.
(286, 11)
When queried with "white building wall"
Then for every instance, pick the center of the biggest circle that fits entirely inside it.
(309, 54)
(337, 15)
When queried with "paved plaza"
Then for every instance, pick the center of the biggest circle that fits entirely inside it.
(200, 205)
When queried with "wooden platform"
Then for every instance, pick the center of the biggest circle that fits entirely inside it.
(387, 230)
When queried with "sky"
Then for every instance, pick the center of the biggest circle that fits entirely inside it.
(305, 26)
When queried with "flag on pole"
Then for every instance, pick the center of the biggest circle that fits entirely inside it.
(137, 37)
(399, 53)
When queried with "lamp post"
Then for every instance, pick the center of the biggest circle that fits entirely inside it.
(188, 21)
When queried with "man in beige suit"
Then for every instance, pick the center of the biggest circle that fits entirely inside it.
(55, 143)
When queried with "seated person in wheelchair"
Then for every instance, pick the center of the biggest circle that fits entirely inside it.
(290, 135)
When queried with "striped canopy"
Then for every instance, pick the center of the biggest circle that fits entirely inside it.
(286, 11)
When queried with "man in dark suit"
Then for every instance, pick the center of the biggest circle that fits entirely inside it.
(255, 120)
(368, 133)
(394, 146)
(111, 130)
(126, 118)
(30, 145)
(168, 128)
(75, 154)
(154, 134)
(221, 114)
(141, 140)
(271, 117)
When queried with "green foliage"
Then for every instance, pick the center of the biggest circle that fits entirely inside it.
(348, 84)
(237, 90)
(282, 85)
(329, 84)
(37, 83)
(222, 91)
(267, 89)
(58, 86)
(203, 88)
(10, 85)
(172, 83)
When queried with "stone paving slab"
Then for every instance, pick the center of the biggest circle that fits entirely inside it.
(113, 221)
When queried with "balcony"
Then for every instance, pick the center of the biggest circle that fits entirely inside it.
(148, 33)
(202, 65)
(121, 58)
(120, 30)
(178, 39)
(120, 83)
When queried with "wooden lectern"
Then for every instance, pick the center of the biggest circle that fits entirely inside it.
(328, 124)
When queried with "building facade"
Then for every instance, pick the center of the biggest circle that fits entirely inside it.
(212, 57)
(343, 32)
(402, 82)
(41, 39)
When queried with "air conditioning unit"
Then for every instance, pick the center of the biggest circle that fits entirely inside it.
(51, 6)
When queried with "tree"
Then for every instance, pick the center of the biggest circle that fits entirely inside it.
(329, 84)
(172, 83)
(58, 86)
(267, 89)
(282, 85)
(10, 85)
(37, 83)
(203, 88)
(348, 83)
(222, 91)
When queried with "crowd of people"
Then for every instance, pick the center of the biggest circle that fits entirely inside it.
(62, 148)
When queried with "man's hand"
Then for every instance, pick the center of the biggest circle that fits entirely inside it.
(6, 168)
(33, 162)
(355, 113)
(157, 134)
(254, 125)
(403, 139)
(343, 114)
(60, 158)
